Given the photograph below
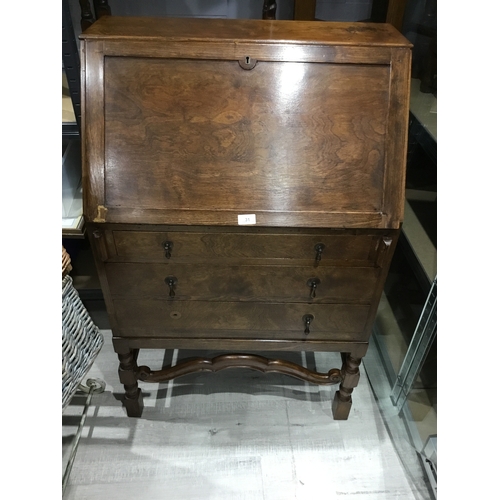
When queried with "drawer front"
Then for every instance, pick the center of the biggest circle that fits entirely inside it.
(175, 282)
(190, 247)
(249, 320)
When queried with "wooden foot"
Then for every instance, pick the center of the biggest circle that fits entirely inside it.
(133, 401)
(342, 401)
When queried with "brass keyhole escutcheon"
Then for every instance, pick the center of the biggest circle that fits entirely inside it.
(247, 62)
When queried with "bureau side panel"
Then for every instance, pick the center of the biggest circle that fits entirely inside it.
(93, 132)
(397, 131)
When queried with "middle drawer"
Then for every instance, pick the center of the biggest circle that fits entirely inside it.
(242, 283)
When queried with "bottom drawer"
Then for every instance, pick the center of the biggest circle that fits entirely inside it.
(197, 319)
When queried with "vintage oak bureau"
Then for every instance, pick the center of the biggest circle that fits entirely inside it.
(243, 188)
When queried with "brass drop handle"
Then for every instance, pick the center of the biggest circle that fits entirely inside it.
(171, 281)
(307, 319)
(167, 246)
(313, 283)
(319, 247)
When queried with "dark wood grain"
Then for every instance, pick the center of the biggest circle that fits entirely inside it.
(278, 137)
(93, 134)
(262, 129)
(255, 31)
(197, 319)
(252, 361)
(399, 111)
(87, 17)
(274, 52)
(342, 402)
(341, 248)
(133, 399)
(124, 344)
(218, 217)
(243, 283)
(395, 13)
(189, 123)
(387, 247)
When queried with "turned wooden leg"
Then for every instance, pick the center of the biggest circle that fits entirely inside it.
(269, 9)
(86, 14)
(127, 372)
(342, 401)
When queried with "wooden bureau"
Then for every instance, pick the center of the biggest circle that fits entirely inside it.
(243, 188)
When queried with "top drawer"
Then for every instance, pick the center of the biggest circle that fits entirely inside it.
(338, 248)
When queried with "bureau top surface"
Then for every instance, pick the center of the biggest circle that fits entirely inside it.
(246, 30)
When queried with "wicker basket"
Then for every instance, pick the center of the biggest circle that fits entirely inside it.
(66, 262)
(81, 340)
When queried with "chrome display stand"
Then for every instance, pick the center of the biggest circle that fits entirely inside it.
(94, 386)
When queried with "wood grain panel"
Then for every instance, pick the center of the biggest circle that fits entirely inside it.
(93, 132)
(194, 319)
(242, 283)
(272, 219)
(261, 52)
(212, 136)
(124, 344)
(188, 247)
(130, 28)
(399, 112)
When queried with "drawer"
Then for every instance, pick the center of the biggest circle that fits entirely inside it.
(249, 320)
(339, 248)
(242, 283)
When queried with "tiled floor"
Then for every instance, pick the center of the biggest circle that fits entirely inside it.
(238, 434)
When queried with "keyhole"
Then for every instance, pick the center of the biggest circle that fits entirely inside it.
(246, 62)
